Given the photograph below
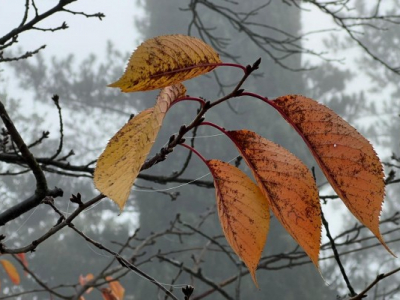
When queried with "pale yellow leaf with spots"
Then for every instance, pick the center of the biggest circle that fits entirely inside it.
(121, 161)
(243, 212)
(166, 60)
(287, 184)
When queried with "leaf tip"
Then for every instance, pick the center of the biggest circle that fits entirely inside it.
(380, 238)
(115, 84)
(253, 276)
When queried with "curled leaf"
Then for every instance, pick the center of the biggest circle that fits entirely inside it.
(243, 212)
(288, 186)
(166, 60)
(121, 161)
(11, 271)
(347, 159)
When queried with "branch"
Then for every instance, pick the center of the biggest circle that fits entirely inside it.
(12, 37)
(197, 274)
(341, 22)
(41, 183)
(378, 278)
(15, 159)
(337, 256)
(28, 158)
(123, 262)
(26, 205)
(31, 247)
(23, 56)
(41, 283)
(55, 99)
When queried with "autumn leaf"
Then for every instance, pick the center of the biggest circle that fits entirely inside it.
(347, 159)
(83, 280)
(116, 287)
(108, 294)
(121, 161)
(166, 60)
(22, 258)
(288, 186)
(11, 271)
(243, 212)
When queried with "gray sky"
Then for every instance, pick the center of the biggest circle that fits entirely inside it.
(84, 35)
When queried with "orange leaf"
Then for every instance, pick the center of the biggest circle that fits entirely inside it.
(11, 271)
(22, 258)
(287, 184)
(116, 287)
(83, 280)
(166, 60)
(108, 294)
(347, 159)
(243, 212)
(121, 161)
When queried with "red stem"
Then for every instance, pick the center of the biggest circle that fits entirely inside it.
(224, 132)
(272, 103)
(195, 152)
(201, 101)
(215, 126)
(232, 65)
(265, 99)
(282, 113)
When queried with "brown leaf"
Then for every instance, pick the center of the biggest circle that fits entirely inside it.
(243, 212)
(347, 159)
(121, 161)
(166, 60)
(287, 184)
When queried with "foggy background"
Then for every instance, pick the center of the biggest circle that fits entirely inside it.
(79, 62)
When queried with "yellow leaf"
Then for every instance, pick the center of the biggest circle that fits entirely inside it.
(11, 271)
(288, 186)
(243, 212)
(347, 159)
(166, 60)
(121, 161)
(116, 287)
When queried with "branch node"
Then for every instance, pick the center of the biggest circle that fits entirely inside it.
(187, 291)
(256, 64)
(76, 199)
(48, 200)
(182, 130)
